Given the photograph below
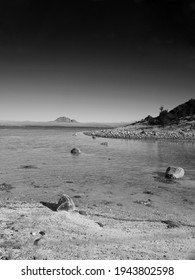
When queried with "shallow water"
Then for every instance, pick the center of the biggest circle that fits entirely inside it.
(38, 164)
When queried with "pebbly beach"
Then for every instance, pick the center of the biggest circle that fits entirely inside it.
(176, 124)
(182, 132)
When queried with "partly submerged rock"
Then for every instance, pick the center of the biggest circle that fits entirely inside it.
(75, 151)
(5, 187)
(65, 203)
(104, 143)
(173, 172)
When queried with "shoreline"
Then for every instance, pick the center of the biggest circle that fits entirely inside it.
(145, 133)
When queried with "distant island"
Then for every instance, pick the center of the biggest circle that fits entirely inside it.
(65, 119)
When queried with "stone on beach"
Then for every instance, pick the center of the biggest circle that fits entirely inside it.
(173, 172)
(65, 203)
(75, 151)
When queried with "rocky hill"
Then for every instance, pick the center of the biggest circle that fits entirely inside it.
(65, 119)
(181, 113)
(185, 109)
(176, 124)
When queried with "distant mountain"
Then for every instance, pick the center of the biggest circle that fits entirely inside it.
(65, 119)
(185, 111)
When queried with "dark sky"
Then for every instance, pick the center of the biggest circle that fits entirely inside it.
(95, 60)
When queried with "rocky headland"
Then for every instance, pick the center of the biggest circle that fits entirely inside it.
(177, 124)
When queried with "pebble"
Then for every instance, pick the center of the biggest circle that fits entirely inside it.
(82, 212)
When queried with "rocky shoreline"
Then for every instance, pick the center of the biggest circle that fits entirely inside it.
(146, 132)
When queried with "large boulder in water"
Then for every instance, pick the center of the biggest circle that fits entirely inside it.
(65, 203)
(173, 172)
(75, 151)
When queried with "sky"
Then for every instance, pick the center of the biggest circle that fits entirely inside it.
(95, 60)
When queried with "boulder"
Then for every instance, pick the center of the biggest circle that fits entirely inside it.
(65, 203)
(173, 172)
(75, 151)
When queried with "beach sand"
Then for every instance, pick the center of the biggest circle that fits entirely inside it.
(154, 227)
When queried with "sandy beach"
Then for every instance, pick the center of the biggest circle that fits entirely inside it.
(150, 229)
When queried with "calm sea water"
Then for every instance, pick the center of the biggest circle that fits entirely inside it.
(120, 164)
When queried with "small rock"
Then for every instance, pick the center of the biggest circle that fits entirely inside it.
(100, 224)
(171, 224)
(75, 151)
(148, 192)
(82, 212)
(36, 241)
(28, 167)
(104, 143)
(4, 258)
(65, 203)
(119, 204)
(146, 203)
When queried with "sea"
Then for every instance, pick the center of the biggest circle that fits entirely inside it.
(36, 164)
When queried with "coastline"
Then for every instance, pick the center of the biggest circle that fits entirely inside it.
(146, 132)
